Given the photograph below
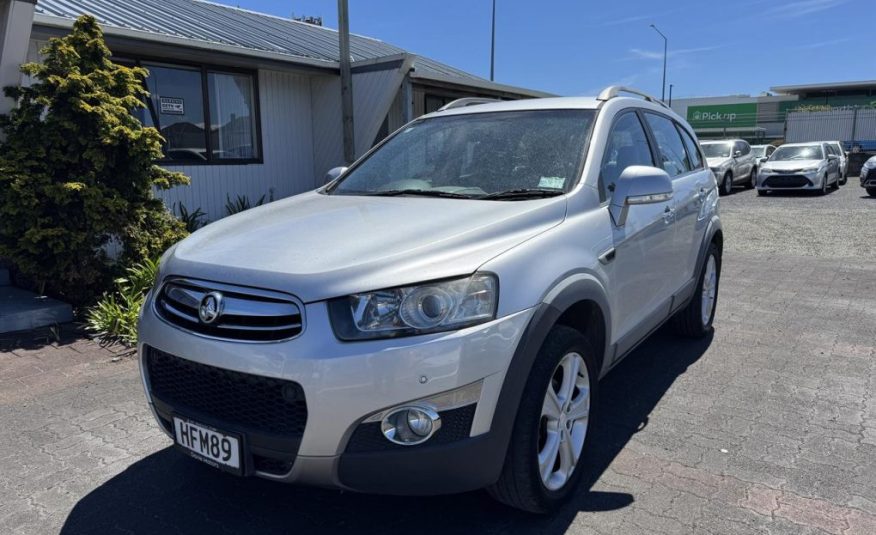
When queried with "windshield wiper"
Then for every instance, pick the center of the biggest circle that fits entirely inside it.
(523, 193)
(422, 192)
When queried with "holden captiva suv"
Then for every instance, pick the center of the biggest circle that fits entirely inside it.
(437, 317)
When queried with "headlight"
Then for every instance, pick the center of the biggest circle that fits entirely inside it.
(810, 169)
(767, 171)
(870, 164)
(410, 310)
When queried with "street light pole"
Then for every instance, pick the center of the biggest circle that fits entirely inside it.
(670, 95)
(493, 44)
(665, 49)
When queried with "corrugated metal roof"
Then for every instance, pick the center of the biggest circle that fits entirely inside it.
(207, 22)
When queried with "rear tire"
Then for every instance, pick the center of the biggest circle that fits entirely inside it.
(752, 180)
(871, 192)
(695, 319)
(536, 436)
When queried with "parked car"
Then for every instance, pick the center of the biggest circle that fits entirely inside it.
(868, 176)
(761, 153)
(838, 149)
(732, 161)
(437, 317)
(801, 166)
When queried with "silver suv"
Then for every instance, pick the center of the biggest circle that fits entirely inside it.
(436, 318)
(733, 163)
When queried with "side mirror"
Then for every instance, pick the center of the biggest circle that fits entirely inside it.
(334, 173)
(638, 184)
(737, 154)
(832, 157)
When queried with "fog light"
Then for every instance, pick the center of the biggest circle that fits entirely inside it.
(410, 425)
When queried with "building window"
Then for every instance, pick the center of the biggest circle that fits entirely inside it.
(183, 99)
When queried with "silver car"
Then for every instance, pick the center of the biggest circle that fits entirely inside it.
(800, 166)
(762, 153)
(436, 318)
(837, 148)
(868, 176)
(733, 163)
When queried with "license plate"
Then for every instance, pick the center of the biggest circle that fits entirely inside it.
(218, 449)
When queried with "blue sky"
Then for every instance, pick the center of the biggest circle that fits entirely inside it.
(576, 47)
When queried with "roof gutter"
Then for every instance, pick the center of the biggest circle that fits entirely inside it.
(480, 84)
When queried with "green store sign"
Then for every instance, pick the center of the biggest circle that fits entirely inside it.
(723, 115)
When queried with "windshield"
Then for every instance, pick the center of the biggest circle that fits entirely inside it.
(799, 152)
(717, 150)
(758, 151)
(474, 155)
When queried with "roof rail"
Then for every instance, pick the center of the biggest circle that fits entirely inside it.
(615, 90)
(465, 102)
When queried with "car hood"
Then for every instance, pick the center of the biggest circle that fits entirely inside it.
(787, 165)
(321, 246)
(717, 162)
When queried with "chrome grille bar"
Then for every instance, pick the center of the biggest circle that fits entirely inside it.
(247, 314)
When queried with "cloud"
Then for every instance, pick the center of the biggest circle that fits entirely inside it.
(801, 8)
(821, 44)
(626, 80)
(638, 53)
(636, 18)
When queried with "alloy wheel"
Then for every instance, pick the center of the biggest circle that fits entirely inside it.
(710, 290)
(563, 426)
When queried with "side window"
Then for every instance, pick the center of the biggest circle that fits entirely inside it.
(769, 150)
(627, 145)
(745, 148)
(693, 151)
(669, 145)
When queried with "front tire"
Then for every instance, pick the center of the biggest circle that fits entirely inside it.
(761, 192)
(871, 192)
(695, 320)
(543, 463)
(824, 185)
(727, 184)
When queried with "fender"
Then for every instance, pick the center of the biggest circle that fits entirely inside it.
(576, 287)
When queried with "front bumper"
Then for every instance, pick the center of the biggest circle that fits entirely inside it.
(796, 181)
(344, 383)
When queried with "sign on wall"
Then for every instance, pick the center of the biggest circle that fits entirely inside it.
(723, 115)
(172, 106)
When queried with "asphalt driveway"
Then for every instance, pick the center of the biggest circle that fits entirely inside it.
(769, 426)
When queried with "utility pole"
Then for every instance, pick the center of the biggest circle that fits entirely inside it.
(346, 82)
(665, 49)
(493, 45)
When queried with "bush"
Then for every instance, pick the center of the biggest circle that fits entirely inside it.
(77, 171)
(114, 317)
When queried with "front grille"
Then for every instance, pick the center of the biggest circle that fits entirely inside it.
(787, 181)
(241, 313)
(251, 402)
(455, 425)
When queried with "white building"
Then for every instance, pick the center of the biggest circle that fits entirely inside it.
(268, 87)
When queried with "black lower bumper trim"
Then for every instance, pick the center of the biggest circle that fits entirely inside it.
(461, 466)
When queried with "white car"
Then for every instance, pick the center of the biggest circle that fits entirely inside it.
(762, 152)
(436, 319)
(800, 166)
(837, 148)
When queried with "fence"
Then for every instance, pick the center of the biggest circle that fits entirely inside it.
(854, 127)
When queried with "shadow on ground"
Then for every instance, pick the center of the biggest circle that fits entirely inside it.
(169, 493)
(58, 335)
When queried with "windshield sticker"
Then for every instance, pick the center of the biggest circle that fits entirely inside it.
(553, 182)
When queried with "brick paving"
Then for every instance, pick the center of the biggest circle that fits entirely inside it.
(769, 426)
